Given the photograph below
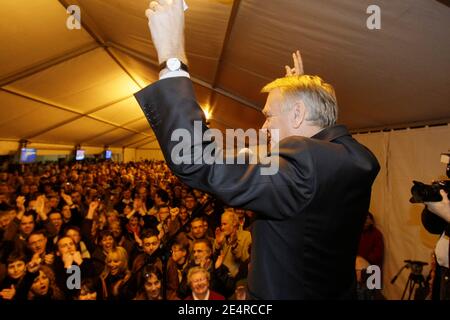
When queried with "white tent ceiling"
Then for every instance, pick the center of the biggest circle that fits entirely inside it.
(75, 86)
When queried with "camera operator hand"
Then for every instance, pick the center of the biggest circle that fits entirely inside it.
(441, 208)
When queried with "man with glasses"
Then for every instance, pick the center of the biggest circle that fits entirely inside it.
(37, 243)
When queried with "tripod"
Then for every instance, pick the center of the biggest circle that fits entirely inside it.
(413, 280)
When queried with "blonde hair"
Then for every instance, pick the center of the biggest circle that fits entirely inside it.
(319, 97)
(121, 254)
(195, 270)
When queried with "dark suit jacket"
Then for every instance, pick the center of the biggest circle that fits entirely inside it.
(310, 214)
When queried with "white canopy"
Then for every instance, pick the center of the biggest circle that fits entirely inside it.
(76, 86)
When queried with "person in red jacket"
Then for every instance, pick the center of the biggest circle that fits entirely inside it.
(371, 245)
(198, 279)
(370, 252)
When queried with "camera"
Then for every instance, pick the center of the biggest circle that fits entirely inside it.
(415, 266)
(422, 192)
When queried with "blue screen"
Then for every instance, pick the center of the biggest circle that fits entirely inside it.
(79, 155)
(27, 155)
(108, 154)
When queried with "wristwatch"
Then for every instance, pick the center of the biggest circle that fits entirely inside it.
(173, 64)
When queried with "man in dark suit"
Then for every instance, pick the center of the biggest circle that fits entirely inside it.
(310, 211)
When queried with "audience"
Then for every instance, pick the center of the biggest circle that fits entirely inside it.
(133, 230)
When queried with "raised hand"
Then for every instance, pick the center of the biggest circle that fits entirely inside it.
(67, 198)
(220, 237)
(8, 294)
(166, 22)
(67, 258)
(20, 202)
(49, 258)
(34, 264)
(297, 70)
(94, 205)
(40, 204)
(92, 208)
(42, 207)
(138, 240)
(77, 258)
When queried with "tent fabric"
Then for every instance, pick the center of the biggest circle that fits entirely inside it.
(392, 77)
(76, 86)
(404, 156)
(30, 35)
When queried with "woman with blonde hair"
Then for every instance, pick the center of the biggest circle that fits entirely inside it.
(116, 274)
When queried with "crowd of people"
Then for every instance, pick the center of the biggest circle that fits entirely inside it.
(132, 230)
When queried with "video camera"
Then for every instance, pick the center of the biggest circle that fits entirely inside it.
(422, 192)
(415, 266)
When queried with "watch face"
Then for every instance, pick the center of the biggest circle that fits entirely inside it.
(173, 64)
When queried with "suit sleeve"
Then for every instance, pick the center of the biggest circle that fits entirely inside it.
(170, 105)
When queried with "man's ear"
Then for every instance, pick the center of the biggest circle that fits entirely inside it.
(298, 114)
